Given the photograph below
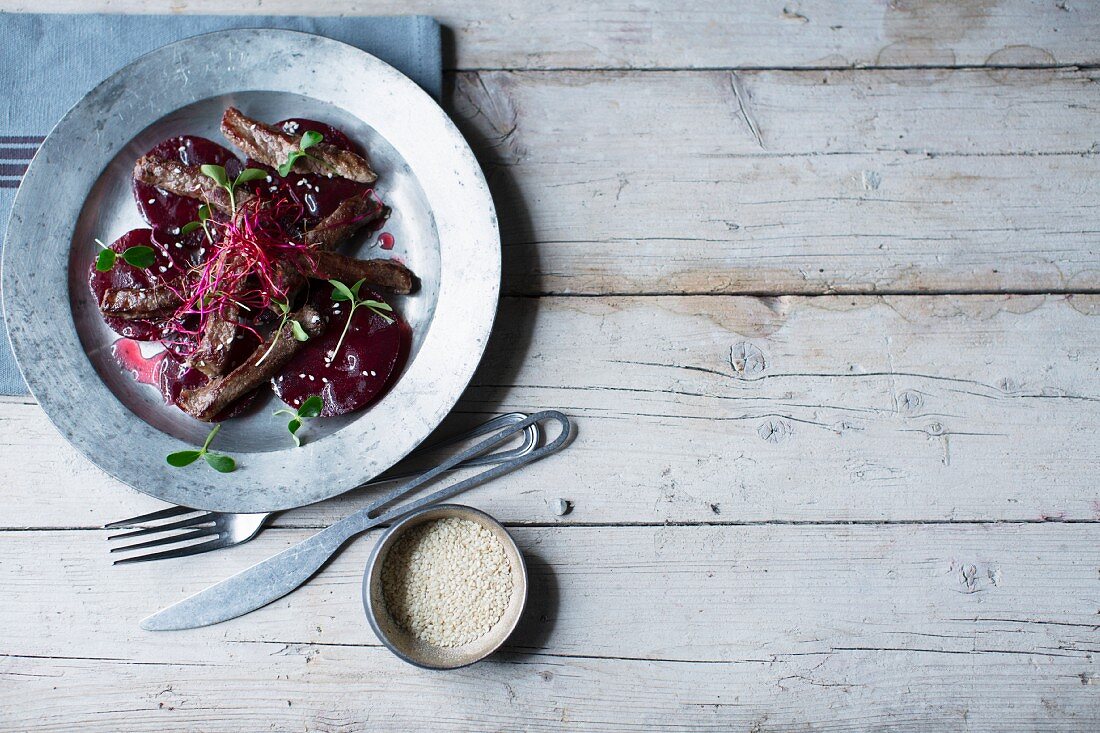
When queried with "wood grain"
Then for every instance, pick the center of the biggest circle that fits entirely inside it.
(790, 182)
(831, 510)
(734, 409)
(707, 33)
(705, 628)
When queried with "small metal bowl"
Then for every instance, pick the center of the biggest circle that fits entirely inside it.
(420, 653)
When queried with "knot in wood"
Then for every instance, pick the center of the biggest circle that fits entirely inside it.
(747, 360)
(774, 431)
(910, 401)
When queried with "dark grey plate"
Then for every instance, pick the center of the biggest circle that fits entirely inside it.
(78, 188)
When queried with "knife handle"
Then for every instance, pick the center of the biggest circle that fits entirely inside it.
(372, 516)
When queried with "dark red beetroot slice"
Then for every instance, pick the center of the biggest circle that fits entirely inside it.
(124, 275)
(318, 195)
(168, 211)
(372, 354)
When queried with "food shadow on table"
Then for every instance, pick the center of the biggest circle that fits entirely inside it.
(539, 616)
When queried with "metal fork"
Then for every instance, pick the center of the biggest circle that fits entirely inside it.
(227, 529)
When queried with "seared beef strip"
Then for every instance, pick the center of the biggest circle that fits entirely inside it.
(185, 180)
(351, 215)
(384, 273)
(139, 303)
(211, 399)
(211, 356)
(272, 147)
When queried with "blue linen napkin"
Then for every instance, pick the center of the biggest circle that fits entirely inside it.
(48, 62)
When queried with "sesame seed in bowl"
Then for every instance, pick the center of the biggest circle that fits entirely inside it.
(445, 587)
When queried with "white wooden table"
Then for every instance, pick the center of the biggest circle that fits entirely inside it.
(819, 284)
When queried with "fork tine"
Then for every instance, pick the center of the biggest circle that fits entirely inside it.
(205, 532)
(181, 552)
(203, 518)
(173, 511)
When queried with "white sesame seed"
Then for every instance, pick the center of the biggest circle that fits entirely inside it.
(301, 376)
(152, 201)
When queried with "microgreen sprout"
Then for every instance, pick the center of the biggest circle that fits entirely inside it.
(309, 139)
(141, 257)
(204, 219)
(310, 408)
(221, 178)
(217, 461)
(295, 328)
(343, 293)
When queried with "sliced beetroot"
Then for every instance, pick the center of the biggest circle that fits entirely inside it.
(372, 354)
(167, 210)
(124, 275)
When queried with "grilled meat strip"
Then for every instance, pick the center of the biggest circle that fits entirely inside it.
(185, 180)
(139, 303)
(272, 147)
(384, 273)
(211, 356)
(211, 399)
(351, 215)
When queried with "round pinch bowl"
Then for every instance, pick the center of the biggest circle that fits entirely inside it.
(416, 651)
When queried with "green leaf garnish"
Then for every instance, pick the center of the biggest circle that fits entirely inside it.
(221, 178)
(105, 260)
(216, 172)
(204, 216)
(342, 293)
(308, 140)
(310, 408)
(293, 427)
(140, 256)
(296, 329)
(183, 458)
(249, 174)
(217, 461)
(220, 463)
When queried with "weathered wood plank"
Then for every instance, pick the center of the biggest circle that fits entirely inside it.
(683, 117)
(728, 409)
(808, 182)
(914, 627)
(711, 33)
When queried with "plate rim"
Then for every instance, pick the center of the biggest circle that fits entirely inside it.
(258, 487)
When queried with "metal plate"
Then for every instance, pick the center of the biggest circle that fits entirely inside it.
(78, 188)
